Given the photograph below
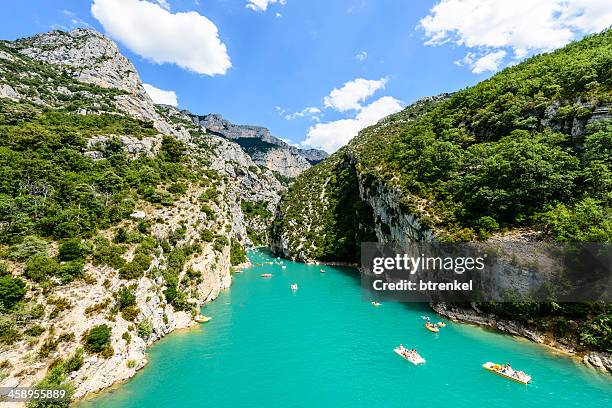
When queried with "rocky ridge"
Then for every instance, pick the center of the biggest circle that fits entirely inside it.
(265, 149)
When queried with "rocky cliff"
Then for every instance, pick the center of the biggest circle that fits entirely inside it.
(157, 212)
(265, 149)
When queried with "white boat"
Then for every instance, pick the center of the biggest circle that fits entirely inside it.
(375, 303)
(294, 286)
(510, 374)
(415, 358)
(284, 267)
(202, 319)
(322, 271)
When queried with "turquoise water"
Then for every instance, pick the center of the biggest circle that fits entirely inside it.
(324, 347)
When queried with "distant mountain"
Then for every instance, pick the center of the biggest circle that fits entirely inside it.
(264, 148)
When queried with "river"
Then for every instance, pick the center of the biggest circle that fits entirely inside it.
(323, 346)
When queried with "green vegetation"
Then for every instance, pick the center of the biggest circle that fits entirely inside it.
(503, 148)
(57, 378)
(144, 329)
(255, 209)
(514, 150)
(98, 338)
(50, 188)
(12, 290)
(529, 147)
(175, 262)
(237, 253)
(327, 196)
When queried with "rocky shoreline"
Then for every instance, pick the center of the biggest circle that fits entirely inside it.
(599, 360)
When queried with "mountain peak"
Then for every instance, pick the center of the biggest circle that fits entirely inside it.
(90, 55)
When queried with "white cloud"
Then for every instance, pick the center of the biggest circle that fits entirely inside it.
(311, 111)
(330, 136)
(163, 3)
(489, 62)
(262, 5)
(352, 94)
(521, 26)
(161, 96)
(187, 39)
(289, 142)
(361, 56)
(75, 21)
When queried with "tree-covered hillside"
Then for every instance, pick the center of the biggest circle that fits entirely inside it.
(529, 147)
(118, 218)
(528, 150)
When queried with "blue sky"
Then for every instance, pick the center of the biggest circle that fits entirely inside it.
(276, 63)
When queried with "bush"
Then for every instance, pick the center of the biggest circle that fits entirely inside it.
(210, 213)
(34, 331)
(220, 243)
(107, 253)
(98, 338)
(70, 250)
(12, 290)
(130, 313)
(8, 333)
(207, 235)
(136, 268)
(237, 253)
(145, 329)
(40, 267)
(75, 362)
(30, 246)
(125, 298)
(70, 271)
(172, 149)
(177, 188)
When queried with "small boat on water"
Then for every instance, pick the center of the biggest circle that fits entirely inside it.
(202, 319)
(266, 275)
(412, 356)
(284, 267)
(322, 270)
(376, 304)
(441, 324)
(294, 286)
(432, 327)
(507, 372)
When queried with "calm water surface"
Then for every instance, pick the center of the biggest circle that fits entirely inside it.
(324, 347)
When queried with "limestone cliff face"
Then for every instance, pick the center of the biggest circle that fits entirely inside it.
(92, 58)
(88, 74)
(265, 149)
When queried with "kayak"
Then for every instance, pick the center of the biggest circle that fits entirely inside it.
(266, 275)
(416, 359)
(431, 328)
(375, 304)
(441, 324)
(496, 369)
